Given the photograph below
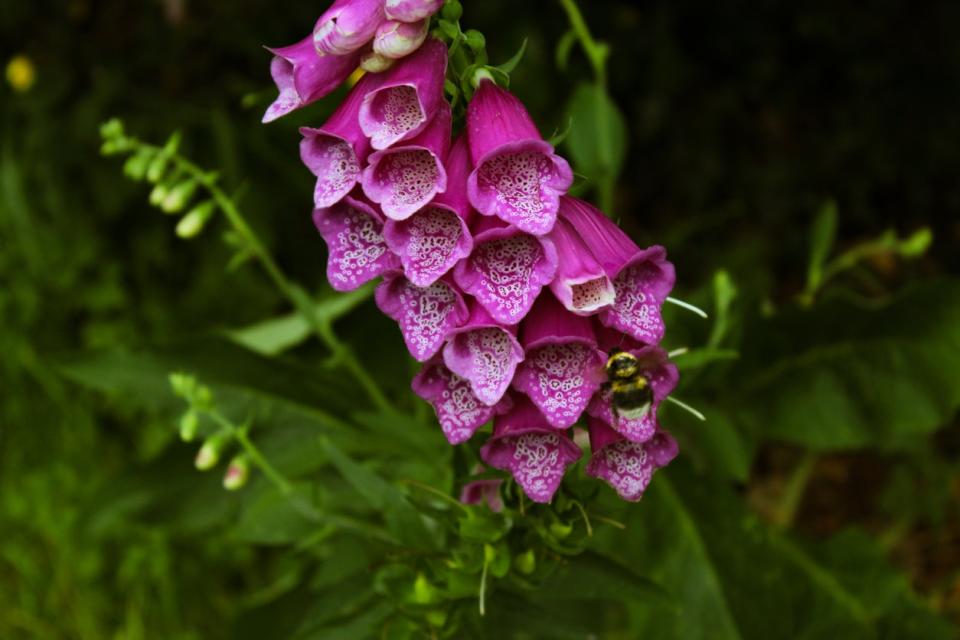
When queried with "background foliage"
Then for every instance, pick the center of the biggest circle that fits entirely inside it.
(799, 162)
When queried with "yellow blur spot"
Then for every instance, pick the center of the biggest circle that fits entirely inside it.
(355, 77)
(21, 74)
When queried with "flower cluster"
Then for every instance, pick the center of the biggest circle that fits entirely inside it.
(510, 292)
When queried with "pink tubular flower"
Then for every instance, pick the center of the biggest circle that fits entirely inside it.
(335, 152)
(411, 10)
(435, 238)
(536, 454)
(581, 283)
(642, 278)
(662, 376)
(563, 367)
(395, 40)
(403, 179)
(518, 177)
(303, 77)
(484, 353)
(459, 412)
(353, 231)
(426, 315)
(408, 98)
(347, 25)
(624, 465)
(480, 491)
(506, 270)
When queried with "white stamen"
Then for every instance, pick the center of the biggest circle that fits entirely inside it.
(689, 307)
(684, 405)
(678, 352)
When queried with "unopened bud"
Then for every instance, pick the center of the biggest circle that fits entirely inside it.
(158, 193)
(560, 530)
(179, 196)
(238, 472)
(475, 40)
(182, 384)
(209, 454)
(452, 10)
(375, 63)
(193, 222)
(189, 426)
(157, 168)
(526, 562)
(395, 40)
(136, 165)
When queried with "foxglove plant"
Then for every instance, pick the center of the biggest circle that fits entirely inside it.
(510, 292)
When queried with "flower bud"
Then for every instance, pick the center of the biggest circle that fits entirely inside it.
(475, 40)
(136, 165)
(182, 384)
(452, 10)
(158, 193)
(398, 39)
(192, 224)
(375, 63)
(526, 562)
(21, 74)
(157, 168)
(209, 454)
(178, 197)
(189, 426)
(238, 472)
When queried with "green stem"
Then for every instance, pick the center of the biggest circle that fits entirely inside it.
(300, 301)
(240, 434)
(794, 490)
(596, 52)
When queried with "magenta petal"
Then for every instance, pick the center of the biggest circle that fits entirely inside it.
(663, 376)
(484, 353)
(408, 98)
(562, 368)
(535, 454)
(426, 315)
(411, 10)
(429, 243)
(480, 491)
(581, 283)
(347, 25)
(303, 77)
(459, 412)
(394, 39)
(641, 286)
(642, 278)
(506, 271)
(627, 466)
(518, 177)
(357, 251)
(403, 179)
(335, 151)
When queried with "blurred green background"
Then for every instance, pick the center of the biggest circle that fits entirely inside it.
(762, 142)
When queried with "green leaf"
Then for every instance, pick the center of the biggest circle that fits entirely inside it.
(822, 236)
(402, 519)
(735, 577)
(270, 517)
(724, 292)
(838, 376)
(511, 64)
(273, 336)
(592, 576)
(598, 139)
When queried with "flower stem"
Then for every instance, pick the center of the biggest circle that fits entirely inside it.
(300, 301)
(794, 490)
(596, 52)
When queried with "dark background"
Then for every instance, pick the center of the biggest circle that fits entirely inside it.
(744, 118)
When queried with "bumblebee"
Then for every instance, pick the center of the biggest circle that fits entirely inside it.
(632, 395)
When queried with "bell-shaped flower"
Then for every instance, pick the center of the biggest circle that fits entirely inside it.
(395, 40)
(581, 285)
(404, 178)
(303, 77)
(624, 465)
(432, 240)
(485, 353)
(411, 10)
(562, 368)
(426, 315)
(409, 97)
(518, 177)
(459, 412)
(336, 151)
(535, 453)
(642, 278)
(662, 376)
(347, 25)
(357, 252)
(480, 491)
(507, 269)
